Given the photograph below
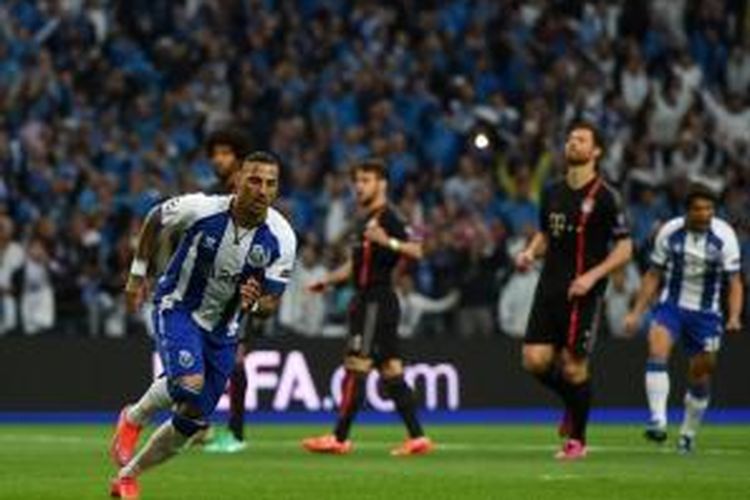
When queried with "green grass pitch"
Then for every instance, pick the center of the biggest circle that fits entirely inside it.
(483, 462)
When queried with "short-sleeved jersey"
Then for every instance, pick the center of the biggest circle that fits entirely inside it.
(695, 263)
(214, 257)
(581, 226)
(373, 264)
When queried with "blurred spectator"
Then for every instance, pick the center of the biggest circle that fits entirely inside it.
(11, 263)
(37, 294)
(104, 106)
(517, 295)
(302, 312)
(414, 305)
(621, 291)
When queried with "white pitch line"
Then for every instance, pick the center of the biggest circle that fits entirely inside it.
(560, 477)
(52, 439)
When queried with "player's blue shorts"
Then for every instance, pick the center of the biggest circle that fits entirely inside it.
(186, 349)
(700, 331)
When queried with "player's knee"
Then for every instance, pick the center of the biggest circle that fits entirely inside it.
(186, 393)
(659, 342)
(188, 420)
(357, 364)
(534, 362)
(575, 373)
(701, 368)
(392, 368)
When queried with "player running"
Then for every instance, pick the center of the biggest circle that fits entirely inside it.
(381, 241)
(693, 257)
(583, 237)
(235, 255)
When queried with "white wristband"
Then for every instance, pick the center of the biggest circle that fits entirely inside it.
(394, 244)
(139, 268)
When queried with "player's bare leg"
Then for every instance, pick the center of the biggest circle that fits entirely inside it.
(168, 439)
(660, 345)
(392, 377)
(697, 397)
(134, 417)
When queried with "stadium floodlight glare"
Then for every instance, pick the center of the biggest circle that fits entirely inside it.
(481, 141)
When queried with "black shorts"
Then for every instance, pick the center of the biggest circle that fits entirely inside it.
(373, 324)
(563, 323)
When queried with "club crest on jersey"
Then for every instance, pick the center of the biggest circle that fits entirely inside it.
(185, 358)
(209, 242)
(713, 252)
(258, 256)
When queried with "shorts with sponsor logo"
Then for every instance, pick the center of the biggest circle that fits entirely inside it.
(373, 324)
(187, 349)
(699, 331)
(570, 324)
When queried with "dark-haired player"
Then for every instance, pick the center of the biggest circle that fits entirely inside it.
(583, 237)
(693, 257)
(381, 240)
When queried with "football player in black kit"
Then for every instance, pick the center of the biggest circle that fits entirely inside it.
(583, 237)
(381, 242)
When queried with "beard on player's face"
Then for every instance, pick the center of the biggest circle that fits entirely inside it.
(366, 198)
(577, 156)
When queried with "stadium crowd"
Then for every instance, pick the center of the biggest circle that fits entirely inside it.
(105, 105)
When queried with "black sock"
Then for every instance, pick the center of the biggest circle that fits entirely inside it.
(579, 407)
(352, 397)
(403, 397)
(237, 389)
(553, 380)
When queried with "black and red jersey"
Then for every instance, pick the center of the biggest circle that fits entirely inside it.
(373, 264)
(581, 225)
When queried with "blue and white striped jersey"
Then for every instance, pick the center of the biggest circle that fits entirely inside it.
(695, 263)
(214, 257)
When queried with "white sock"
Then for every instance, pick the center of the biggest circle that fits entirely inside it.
(657, 392)
(695, 408)
(154, 399)
(163, 444)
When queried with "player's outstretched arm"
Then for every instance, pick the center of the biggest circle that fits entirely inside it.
(734, 304)
(649, 288)
(339, 275)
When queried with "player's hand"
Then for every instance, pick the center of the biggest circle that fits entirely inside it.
(581, 286)
(524, 260)
(250, 292)
(136, 291)
(631, 322)
(375, 233)
(733, 326)
(318, 286)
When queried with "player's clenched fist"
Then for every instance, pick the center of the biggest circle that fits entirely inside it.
(250, 292)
